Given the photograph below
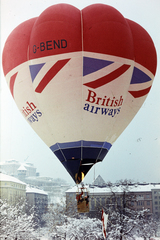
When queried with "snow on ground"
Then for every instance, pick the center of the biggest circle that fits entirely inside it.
(154, 238)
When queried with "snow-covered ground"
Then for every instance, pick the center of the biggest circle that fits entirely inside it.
(68, 238)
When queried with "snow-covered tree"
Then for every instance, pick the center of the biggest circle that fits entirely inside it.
(55, 216)
(84, 228)
(123, 220)
(76, 229)
(15, 223)
(146, 227)
(60, 226)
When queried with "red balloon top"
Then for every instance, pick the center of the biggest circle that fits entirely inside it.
(105, 30)
(63, 28)
(16, 47)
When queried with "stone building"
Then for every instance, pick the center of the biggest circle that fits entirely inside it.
(22, 172)
(156, 200)
(37, 199)
(54, 187)
(11, 167)
(11, 188)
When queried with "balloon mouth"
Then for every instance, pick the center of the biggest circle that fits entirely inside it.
(78, 157)
(88, 164)
(83, 170)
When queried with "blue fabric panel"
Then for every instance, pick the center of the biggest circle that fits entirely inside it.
(72, 167)
(139, 76)
(59, 155)
(66, 145)
(93, 144)
(91, 153)
(102, 154)
(54, 147)
(107, 145)
(81, 143)
(91, 65)
(72, 153)
(97, 144)
(34, 70)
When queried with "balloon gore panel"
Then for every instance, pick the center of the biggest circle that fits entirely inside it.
(17, 40)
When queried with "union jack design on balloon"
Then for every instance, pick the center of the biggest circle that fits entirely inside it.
(49, 75)
(79, 81)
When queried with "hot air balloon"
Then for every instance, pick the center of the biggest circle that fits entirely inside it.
(79, 78)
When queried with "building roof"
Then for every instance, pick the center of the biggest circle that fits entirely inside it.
(145, 187)
(15, 162)
(35, 190)
(22, 167)
(10, 161)
(7, 178)
(118, 189)
(99, 182)
(28, 164)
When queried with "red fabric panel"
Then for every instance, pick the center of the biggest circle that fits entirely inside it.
(106, 31)
(16, 47)
(144, 49)
(56, 31)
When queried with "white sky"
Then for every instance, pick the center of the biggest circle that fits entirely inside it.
(136, 153)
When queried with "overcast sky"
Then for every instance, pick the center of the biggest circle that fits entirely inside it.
(136, 153)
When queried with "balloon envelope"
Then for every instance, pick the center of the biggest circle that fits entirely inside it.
(79, 80)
